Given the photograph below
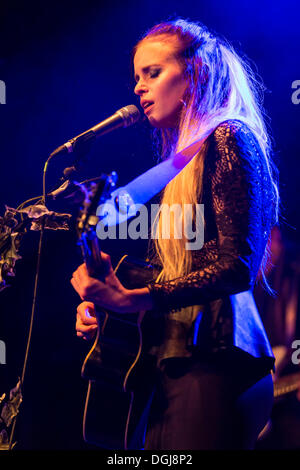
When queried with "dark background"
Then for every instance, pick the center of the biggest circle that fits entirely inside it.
(66, 67)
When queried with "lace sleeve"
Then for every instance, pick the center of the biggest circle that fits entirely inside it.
(240, 189)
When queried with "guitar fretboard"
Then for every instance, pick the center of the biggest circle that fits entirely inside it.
(286, 385)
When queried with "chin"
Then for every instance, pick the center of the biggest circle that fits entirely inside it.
(163, 123)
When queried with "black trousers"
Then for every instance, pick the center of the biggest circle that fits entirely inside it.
(210, 404)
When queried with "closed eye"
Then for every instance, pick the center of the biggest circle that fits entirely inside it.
(154, 73)
(150, 71)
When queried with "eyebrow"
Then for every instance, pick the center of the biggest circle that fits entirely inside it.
(146, 69)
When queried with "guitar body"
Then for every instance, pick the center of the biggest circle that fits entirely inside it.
(117, 392)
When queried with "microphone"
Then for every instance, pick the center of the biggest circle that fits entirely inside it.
(124, 117)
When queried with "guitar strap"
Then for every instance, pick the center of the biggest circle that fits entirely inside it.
(125, 201)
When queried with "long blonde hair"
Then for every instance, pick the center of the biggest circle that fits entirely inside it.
(222, 86)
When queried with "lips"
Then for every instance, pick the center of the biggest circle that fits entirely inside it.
(146, 105)
(148, 109)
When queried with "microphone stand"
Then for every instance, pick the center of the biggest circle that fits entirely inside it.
(68, 177)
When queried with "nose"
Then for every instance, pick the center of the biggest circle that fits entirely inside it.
(140, 88)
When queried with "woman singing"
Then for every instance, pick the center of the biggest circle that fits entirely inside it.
(214, 386)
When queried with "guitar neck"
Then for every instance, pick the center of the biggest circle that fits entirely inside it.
(286, 385)
(87, 224)
(92, 254)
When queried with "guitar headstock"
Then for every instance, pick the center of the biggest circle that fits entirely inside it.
(96, 193)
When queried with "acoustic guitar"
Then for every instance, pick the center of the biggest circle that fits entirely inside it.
(117, 397)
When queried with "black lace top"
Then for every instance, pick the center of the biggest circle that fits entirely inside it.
(238, 211)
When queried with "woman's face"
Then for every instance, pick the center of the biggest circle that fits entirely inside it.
(160, 83)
